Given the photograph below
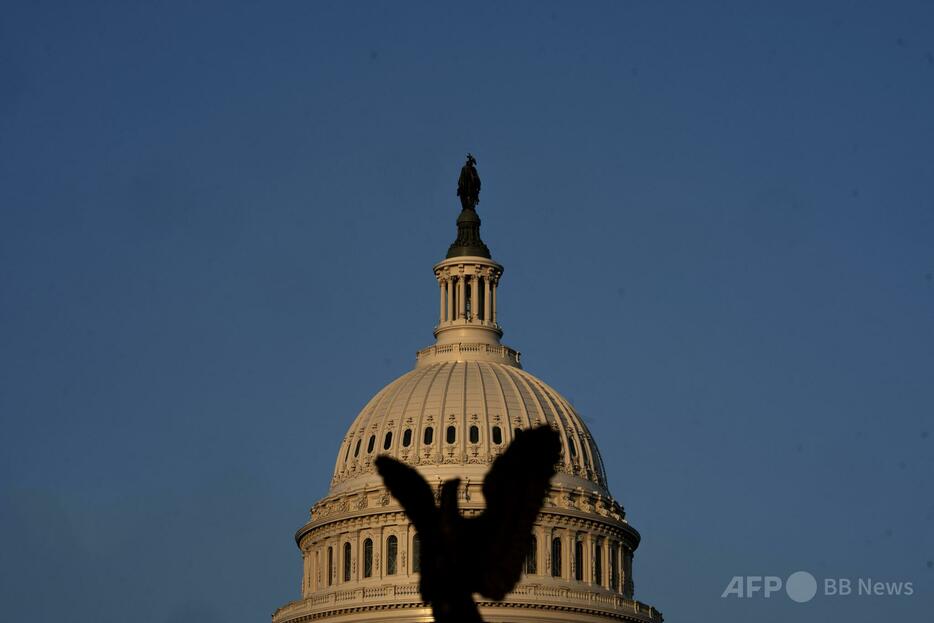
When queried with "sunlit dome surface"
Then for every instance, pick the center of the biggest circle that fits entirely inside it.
(463, 414)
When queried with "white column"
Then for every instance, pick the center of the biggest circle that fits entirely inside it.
(449, 308)
(495, 286)
(588, 559)
(461, 300)
(441, 309)
(486, 299)
(474, 296)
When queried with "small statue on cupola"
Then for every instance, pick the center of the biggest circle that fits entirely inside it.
(468, 185)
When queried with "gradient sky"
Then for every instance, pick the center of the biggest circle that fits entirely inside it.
(217, 227)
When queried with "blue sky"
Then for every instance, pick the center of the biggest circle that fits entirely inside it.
(217, 227)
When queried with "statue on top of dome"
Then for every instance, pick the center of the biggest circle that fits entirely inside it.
(484, 554)
(468, 184)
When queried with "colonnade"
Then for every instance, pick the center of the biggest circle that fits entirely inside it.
(583, 557)
(468, 296)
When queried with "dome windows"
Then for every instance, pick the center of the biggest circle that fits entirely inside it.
(556, 557)
(531, 560)
(368, 558)
(370, 444)
(416, 554)
(392, 551)
(598, 562)
(387, 442)
(511, 402)
(330, 566)
(346, 562)
(579, 560)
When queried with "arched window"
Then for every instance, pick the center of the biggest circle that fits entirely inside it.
(598, 562)
(429, 436)
(531, 560)
(578, 560)
(346, 562)
(356, 449)
(347, 454)
(370, 444)
(573, 447)
(392, 550)
(474, 434)
(330, 566)
(368, 558)
(497, 435)
(407, 438)
(556, 557)
(416, 554)
(515, 432)
(388, 440)
(614, 566)
(452, 434)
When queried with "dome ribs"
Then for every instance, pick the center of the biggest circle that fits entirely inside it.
(506, 424)
(556, 421)
(514, 399)
(358, 428)
(400, 421)
(463, 394)
(419, 424)
(385, 419)
(442, 409)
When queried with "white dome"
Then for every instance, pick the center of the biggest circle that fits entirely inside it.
(461, 415)
(451, 417)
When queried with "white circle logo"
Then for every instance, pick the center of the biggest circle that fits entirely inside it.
(801, 586)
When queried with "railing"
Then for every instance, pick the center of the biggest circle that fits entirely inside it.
(447, 349)
(534, 594)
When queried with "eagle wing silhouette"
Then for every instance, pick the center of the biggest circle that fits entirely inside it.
(514, 490)
(412, 491)
(486, 551)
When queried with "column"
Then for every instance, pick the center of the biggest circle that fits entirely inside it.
(461, 300)
(316, 584)
(441, 309)
(449, 308)
(588, 558)
(599, 563)
(495, 287)
(474, 296)
(628, 584)
(486, 299)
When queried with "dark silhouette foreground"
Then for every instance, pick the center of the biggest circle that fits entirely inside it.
(484, 554)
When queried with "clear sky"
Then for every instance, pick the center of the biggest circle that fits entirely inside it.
(217, 227)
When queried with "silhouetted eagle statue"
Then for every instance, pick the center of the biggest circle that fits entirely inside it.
(483, 554)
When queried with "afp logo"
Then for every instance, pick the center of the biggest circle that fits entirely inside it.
(800, 586)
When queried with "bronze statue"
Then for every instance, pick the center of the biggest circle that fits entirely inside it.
(485, 553)
(468, 185)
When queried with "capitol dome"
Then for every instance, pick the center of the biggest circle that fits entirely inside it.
(457, 416)
(450, 417)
